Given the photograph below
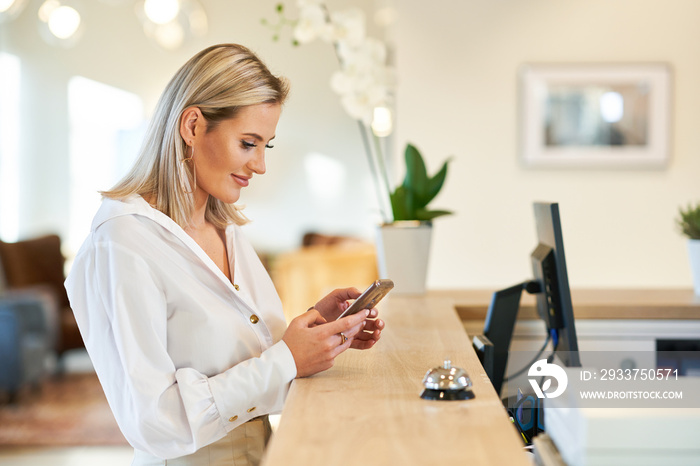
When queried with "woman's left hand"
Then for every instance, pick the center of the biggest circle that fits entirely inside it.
(333, 304)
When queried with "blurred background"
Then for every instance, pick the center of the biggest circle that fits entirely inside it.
(74, 110)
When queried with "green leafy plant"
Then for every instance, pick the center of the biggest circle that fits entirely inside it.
(409, 201)
(689, 221)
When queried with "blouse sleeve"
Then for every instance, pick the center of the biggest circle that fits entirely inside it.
(163, 410)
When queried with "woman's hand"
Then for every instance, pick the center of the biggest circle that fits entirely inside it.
(370, 334)
(315, 346)
(333, 304)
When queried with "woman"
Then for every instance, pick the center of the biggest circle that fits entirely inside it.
(181, 320)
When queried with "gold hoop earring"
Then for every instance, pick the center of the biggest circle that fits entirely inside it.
(184, 173)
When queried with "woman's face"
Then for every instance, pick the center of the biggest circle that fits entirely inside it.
(228, 156)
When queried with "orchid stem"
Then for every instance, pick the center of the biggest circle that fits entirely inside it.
(382, 163)
(373, 169)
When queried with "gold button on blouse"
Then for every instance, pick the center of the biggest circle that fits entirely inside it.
(236, 287)
(231, 419)
(254, 319)
(251, 409)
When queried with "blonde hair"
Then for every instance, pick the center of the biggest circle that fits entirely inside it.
(219, 80)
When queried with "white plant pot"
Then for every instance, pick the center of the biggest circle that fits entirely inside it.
(403, 249)
(694, 257)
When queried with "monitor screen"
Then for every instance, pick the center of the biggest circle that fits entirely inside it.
(554, 299)
(550, 285)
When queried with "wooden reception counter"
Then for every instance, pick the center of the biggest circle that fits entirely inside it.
(367, 410)
(591, 304)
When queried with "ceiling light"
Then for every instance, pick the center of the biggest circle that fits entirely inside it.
(46, 9)
(9, 9)
(6, 5)
(64, 21)
(60, 22)
(161, 11)
(190, 21)
(169, 36)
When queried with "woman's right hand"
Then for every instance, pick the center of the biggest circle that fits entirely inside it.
(315, 346)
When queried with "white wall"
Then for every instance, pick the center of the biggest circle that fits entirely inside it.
(457, 63)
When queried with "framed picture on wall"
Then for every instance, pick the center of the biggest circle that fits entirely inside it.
(595, 115)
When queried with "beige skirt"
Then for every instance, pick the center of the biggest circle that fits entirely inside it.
(243, 446)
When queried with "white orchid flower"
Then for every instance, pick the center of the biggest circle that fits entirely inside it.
(346, 81)
(360, 104)
(369, 50)
(357, 107)
(312, 25)
(385, 75)
(348, 26)
(342, 82)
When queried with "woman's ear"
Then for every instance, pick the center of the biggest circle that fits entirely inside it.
(190, 124)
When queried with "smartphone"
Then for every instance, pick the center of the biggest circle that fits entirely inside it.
(370, 297)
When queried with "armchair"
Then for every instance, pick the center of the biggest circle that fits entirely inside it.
(26, 340)
(39, 263)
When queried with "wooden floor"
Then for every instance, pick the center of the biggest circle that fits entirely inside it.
(68, 456)
(72, 456)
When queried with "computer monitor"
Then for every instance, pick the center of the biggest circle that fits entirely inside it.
(550, 285)
(554, 299)
(498, 329)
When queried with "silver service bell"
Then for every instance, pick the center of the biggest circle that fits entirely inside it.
(447, 383)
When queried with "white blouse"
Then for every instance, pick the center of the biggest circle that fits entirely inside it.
(183, 357)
